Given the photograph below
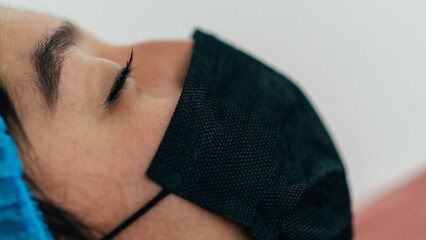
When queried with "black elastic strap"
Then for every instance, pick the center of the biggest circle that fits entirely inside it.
(136, 215)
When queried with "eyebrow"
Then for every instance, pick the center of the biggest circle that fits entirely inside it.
(48, 58)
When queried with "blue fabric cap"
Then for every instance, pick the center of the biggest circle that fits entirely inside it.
(20, 217)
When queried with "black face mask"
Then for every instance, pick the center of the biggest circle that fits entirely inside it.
(244, 142)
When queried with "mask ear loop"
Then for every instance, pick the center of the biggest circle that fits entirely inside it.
(136, 215)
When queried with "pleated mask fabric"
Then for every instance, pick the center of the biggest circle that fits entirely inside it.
(245, 142)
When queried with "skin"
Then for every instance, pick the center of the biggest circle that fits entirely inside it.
(89, 159)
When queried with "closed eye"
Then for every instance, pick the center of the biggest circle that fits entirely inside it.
(119, 82)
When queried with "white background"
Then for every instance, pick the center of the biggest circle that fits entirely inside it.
(361, 63)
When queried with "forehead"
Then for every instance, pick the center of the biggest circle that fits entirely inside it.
(20, 32)
(19, 27)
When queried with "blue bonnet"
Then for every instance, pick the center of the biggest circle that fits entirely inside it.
(20, 217)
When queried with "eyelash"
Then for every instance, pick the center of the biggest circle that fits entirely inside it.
(120, 81)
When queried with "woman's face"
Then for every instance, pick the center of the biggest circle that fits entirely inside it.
(89, 155)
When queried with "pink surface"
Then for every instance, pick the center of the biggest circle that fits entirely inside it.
(398, 215)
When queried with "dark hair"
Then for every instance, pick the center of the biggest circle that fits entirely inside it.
(62, 224)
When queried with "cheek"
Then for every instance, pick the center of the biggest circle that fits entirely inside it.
(129, 140)
(118, 150)
(128, 145)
